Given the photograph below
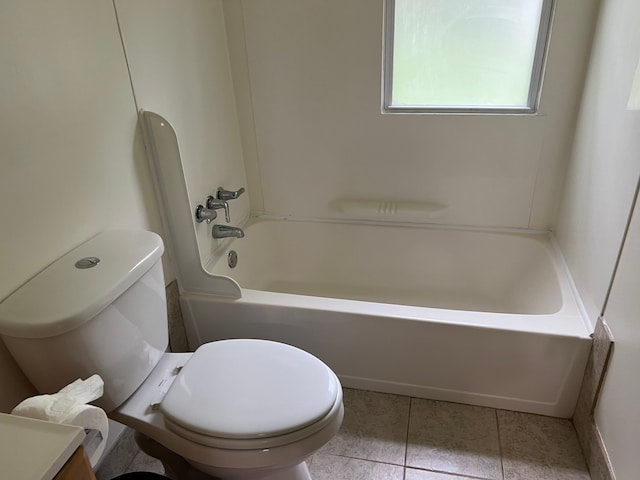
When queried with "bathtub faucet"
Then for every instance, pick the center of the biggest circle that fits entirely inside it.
(223, 194)
(224, 231)
(215, 204)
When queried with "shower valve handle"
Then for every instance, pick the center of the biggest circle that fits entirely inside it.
(205, 214)
(228, 194)
(215, 204)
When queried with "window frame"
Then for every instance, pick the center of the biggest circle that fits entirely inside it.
(535, 83)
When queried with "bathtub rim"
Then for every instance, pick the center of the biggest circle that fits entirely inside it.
(557, 325)
(572, 308)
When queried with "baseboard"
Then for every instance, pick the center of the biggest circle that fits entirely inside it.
(595, 454)
(593, 447)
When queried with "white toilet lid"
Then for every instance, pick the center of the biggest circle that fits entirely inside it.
(247, 389)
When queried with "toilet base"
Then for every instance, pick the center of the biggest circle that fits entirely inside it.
(298, 472)
(295, 472)
(177, 468)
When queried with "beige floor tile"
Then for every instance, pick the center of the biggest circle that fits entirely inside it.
(539, 448)
(413, 474)
(447, 441)
(374, 427)
(144, 463)
(334, 467)
(119, 458)
(454, 438)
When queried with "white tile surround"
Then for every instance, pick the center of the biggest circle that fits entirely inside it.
(316, 134)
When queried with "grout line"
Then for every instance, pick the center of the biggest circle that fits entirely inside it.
(406, 441)
(499, 443)
(362, 459)
(450, 474)
(128, 467)
(441, 472)
(406, 438)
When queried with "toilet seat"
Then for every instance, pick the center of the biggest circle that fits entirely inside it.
(141, 412)
(256, 443)
(231, 393)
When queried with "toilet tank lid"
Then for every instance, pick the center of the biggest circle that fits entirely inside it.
(62, 296)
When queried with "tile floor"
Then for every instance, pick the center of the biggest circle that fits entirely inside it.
(392, 437)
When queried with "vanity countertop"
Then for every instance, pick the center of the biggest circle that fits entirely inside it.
(34, 449)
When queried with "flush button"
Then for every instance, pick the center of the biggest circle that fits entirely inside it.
(87, 262)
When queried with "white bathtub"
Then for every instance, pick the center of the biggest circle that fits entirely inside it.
(467, 316)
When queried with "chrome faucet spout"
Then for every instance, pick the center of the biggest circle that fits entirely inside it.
(225, 231)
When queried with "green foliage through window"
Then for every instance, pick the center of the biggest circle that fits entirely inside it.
(464, 55)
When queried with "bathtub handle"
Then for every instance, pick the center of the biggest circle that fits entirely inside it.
(215, 204)
(229, 194)
(203, 214)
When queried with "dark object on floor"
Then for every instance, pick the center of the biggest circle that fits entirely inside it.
(141, 476)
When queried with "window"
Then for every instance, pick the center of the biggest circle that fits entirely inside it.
(464, 55)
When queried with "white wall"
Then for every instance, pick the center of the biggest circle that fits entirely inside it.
(315, 133)
(606, 158)
(618, 409)
(598, 197)
(179, 61)
(71, 162)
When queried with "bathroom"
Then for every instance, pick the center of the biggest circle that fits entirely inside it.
(295, 118)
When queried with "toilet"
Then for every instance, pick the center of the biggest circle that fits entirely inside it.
(233, 409)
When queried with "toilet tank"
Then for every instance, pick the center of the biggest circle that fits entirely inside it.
(101, 308)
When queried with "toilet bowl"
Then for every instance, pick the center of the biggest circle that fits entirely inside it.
(236, 409)
(287, 417)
